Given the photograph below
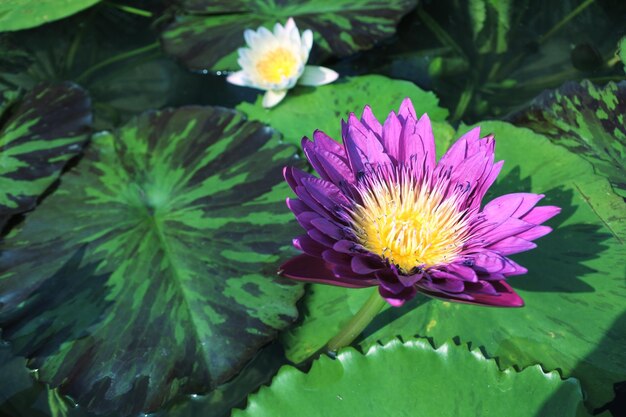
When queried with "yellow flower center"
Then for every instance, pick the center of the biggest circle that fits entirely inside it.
(409, 224)
(276, 65)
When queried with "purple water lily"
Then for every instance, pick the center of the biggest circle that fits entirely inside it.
(384, 212)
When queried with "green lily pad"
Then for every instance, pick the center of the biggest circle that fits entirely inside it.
(24, 14)
(574, 319)
(413, 379)
(151, 270)
(588, 120)
(207, 33)
(306, 109)
(39, 133)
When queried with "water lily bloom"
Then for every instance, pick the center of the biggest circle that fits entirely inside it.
(383, 212)
(275, 62)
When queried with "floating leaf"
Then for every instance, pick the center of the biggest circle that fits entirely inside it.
(208, 32)
(150, 271)
(413, 379)
(24, 14)
(491, 20)
(306, 109)
(574, 319)
(39, 133)
(125, 74)
(588, 120)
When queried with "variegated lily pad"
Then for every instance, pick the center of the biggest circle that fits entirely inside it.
(39, 133)
(206, 34)
(588, 120)
(151, 271)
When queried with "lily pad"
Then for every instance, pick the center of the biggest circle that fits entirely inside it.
(588, 120)
(24, 14)
(574, 319)
(306, 109)
(413, 379)
(151, 271)
(39, 133)
(125, 74)
(207, 33)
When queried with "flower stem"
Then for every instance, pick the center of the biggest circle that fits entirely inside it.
(355, 326)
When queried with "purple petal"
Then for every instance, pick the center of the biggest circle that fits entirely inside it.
(323, 141)
(336, 169)
(296, 206)
(406, 110)
(325, 193)
(328, 228)
(372, 123)
(539, 215)
(463, 272)
(305, 218)
(425, 132)
(364, 150)
(321, 238)
(336, 258)
(309, 246)
(345, 246)
(511, 205)
(310, 269)
(392, 130)
(397, 300)
(512, 245)
(535, 233)
(364, 265)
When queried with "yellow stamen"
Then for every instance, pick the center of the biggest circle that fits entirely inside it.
(409, 224)
(276, 65)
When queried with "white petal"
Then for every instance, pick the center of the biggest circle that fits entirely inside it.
(273, 97)
(239, 78)
(252, 38)
(290, 25)
(314, 75)
(307, 40)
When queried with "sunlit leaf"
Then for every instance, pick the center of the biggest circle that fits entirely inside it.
(150, 272)
(574, 319)
(306, 109)
(24, 14)
(207, 33)
(413, 379)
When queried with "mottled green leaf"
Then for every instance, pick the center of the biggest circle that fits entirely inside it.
(151, 271)
(110, 53)
(588, 120)
(24, 14)
(39, 133)
(574, 319)
(207, 33)
(491, 20)
(413, 379)
(306, 109)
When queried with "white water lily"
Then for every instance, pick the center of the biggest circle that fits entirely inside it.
(276, 62)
